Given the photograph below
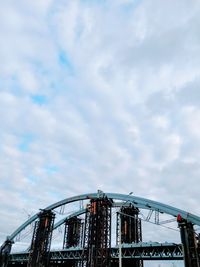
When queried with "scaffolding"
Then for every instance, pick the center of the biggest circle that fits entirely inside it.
(131, 229)
(72, 234)
(41, 240)
(97, 233)
(5, 252)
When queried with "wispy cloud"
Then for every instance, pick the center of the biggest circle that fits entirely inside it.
(98, 95)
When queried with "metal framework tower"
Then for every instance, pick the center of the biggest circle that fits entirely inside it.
(5, 252)
(131, 229)
(41, 240)
(72, 234)
(97, 234)
(190, 247)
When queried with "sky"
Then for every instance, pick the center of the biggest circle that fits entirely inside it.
(98, 95)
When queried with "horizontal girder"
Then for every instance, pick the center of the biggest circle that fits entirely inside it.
(145, 251)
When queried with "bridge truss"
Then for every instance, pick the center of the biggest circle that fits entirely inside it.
(87, 241)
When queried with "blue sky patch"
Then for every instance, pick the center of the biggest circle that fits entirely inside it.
(66, 62)
(25, 143)
(39, 99)
(33, 178)
(51, 169)
(128, 8)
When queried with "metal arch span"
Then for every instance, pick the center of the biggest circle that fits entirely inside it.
(136, 201)
(77, 213)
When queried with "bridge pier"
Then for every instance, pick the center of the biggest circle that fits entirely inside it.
(190, 249)
(41, 240)
(131, 230)
(5, 252)
(72, 234)
(97, 234)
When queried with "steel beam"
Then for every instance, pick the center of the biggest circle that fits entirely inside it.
(136, 201)
(144, 251)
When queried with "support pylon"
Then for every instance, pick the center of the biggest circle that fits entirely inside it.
(5, 252)
(72, 234)
(41, 240)
(131, 229)
(190, 248)
(97, 237)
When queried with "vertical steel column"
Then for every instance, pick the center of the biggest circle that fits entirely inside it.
(5, 252)
(131, 229)
(97, 237)
(41, 240)
(190, 249)
(72, 234)
(85, 239)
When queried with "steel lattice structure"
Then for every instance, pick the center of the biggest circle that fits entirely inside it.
(145, 251)
(131, 228)
(138, 202)
(72, 233)
(41, 240)
(97, 235)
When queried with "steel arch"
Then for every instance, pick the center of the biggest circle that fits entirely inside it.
(77, 213)
(136, 201)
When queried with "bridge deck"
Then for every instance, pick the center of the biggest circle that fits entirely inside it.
(144, 251)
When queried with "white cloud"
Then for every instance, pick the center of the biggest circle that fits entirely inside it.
(161, 122)
(191, 119)
(121, 109)
(28, 81)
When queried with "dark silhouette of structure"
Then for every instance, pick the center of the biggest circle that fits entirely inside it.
(131, 229)
(189, 241)
(41, 241)
(72, 233)
(97, 237)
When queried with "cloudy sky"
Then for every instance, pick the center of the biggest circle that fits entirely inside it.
(98, 95)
